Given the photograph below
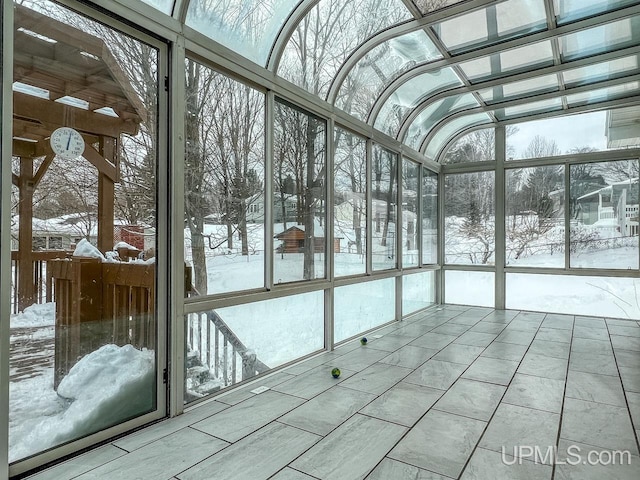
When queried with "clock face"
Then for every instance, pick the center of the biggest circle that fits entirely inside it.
(67, 143)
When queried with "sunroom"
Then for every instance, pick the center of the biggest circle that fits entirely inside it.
(210, 206)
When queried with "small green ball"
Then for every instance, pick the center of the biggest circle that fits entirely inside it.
(363, 341)
(335, 373)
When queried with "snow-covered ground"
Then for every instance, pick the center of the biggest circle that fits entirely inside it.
(116, 383)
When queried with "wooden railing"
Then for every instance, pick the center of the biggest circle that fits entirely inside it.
(98, 304)
(40, 261)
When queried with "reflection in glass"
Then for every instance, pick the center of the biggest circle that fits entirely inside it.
(299, 213)
(83, 333)
(529, 108)
(418, 291)
(534, 216)
(409, 211)
(224, 183)
(574, 295)
(451, 128)
(329, 33)
(469, 288)
(384, 208)
(363, 306)
(601, 71)
(381, 66)
(231, 344)
(571, 10)
(434, 113)
(603, 94)
(350, 209)
(604, 213)
(512, 91)
(600, 39)
(165, 6)
(427, 6)
(491, 24)
(469, 210)
(429, 217)
(248, 27)
(410, 94)
(525, 58)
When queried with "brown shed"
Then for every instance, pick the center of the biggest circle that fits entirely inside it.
(293, 241)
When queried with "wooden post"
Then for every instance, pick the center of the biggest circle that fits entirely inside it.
(26, 286)
(106, 198)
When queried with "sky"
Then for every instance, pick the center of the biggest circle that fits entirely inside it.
(585, 130)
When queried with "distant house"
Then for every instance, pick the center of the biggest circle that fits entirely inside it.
(293, 240)
(611, 208)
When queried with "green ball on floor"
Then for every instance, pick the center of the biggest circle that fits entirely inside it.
(335, 373)
(363, 341)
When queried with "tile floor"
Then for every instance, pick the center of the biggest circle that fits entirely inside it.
(453, 393)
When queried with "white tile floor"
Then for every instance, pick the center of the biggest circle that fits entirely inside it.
(452, 393)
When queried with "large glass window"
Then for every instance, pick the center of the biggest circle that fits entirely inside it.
(534, 216)
(604, 215)
(429, 216)
(224, 183)
(418, 291)
(476, 146)
(232, 344)
(469, 288)
(556, 136)
(410, 180)
(350, 209)
(84, 352)
(363, 306)
(384, 208)
(469, 223)
(299, 210)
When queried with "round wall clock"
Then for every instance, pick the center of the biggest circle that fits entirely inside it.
(67, 143)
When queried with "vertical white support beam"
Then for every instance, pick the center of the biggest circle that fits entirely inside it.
(440, 274)
(419, 205)
(369, 207)
(177, 344)
(399, 234)
(500, 198)
(567, 216)
(6, 103)
(268, 189)
(329, 236)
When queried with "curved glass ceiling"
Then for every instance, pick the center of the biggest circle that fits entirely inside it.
(411, 94)
(452, 128)
(434, 113)
(249, 27)
(381, 66)
(499, 55)
(329, 33)
(492, 24)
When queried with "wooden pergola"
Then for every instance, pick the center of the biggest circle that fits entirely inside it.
(65, 63)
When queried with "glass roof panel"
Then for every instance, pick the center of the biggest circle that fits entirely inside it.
(494, 23)
(427, 6)
(571, 10)
(549, 105)
(512, 91)
(601, 71)
(430, 116)
(603, 94)
(165, 6)
(600, 39)
(450, 129)
(248, 27)
(528, 57)
(410, 94)
(381, 66)
(328, 35)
